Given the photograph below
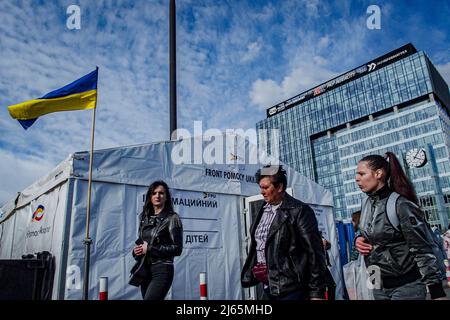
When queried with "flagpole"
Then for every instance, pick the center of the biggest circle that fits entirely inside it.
(88, 241)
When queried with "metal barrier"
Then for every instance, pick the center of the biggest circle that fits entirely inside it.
(103, 288)
(203, 288)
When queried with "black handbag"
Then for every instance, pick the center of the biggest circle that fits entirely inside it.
(138, 273)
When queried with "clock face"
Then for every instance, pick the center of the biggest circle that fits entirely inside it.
(416, 157)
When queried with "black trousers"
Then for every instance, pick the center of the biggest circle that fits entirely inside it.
(159, 282)
(331, 285)
(296, 295)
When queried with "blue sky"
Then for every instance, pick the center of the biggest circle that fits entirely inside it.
(235, 59)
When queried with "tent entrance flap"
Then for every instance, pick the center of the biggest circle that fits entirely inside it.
(251, 207)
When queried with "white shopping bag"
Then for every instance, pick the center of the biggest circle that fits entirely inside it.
(357, 280)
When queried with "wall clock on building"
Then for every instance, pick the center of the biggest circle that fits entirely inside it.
(416, 157)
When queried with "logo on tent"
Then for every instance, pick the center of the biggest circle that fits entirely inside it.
(208, 195)
(38, 214)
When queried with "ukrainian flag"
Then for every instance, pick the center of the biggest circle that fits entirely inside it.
(78, 95)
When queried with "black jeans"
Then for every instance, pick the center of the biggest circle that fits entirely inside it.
(296, 295)
(159, 282)
(331, 285)
(415, 290)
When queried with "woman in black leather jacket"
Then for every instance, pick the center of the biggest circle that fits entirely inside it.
(400, 253)
(286, 253)
(160, 235)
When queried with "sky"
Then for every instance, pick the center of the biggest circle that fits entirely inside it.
(235, 59)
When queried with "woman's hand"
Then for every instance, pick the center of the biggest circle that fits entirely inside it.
(141, 249)
(362, 246)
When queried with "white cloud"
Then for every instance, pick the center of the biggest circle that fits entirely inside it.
(265, 15)
(253, 50)
(266, 93)
(39, 54)
(323, 42)
(19, 173)
(312, 8)
(234, 60)
(311, 56)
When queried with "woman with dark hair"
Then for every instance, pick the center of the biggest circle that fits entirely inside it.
(401, 254)
(160, 240)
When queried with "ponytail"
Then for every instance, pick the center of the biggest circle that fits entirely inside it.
(399, 182)
(395, 176)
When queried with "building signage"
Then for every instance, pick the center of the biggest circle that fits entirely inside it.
(367, 68)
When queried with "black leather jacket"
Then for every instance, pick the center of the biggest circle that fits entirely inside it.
(402, 256)
(294, 252)
(164, 235)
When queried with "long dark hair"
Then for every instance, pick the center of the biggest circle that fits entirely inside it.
(396, 178)
(148, 209)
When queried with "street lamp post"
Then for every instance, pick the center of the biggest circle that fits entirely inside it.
(172, 70)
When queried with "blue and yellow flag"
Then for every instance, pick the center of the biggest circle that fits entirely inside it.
(78, 95)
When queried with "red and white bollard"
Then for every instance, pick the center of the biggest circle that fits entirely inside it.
(447, 268)
(203, 289)
(103, 288)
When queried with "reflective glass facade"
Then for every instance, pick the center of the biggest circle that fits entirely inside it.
(416, 126)
(389, 109)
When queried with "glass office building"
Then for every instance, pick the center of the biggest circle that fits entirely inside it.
(393, 103)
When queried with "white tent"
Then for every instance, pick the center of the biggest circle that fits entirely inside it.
(51, 215)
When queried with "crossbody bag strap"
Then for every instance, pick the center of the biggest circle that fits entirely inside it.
(391, 210)
(364, 217)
